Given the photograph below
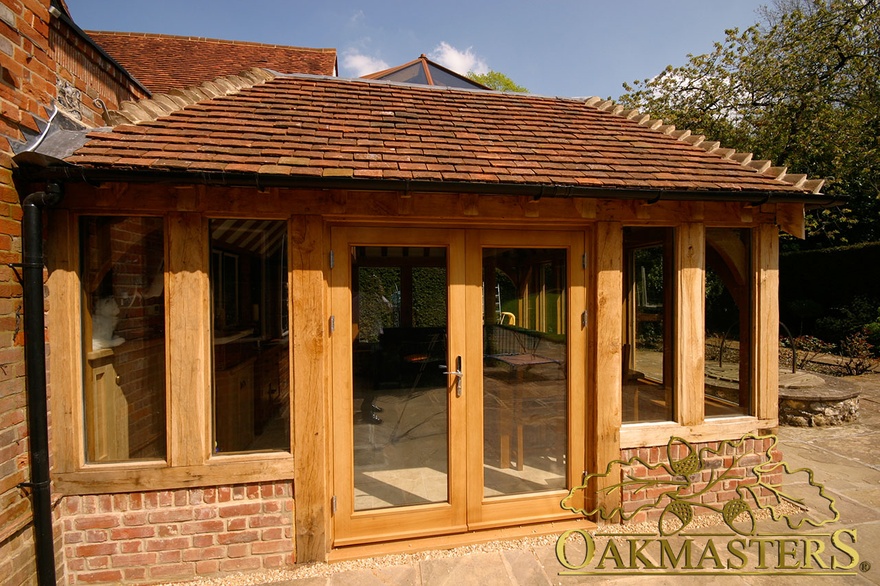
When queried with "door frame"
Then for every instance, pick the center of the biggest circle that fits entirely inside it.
(498, 511)
(466, 509)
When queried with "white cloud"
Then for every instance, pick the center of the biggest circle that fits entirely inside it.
(459, 61)
(357, 18)
(357, 64)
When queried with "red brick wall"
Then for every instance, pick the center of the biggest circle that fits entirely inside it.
(163, 535)
(27, 81)
(733, 466)
(29, 69)
(80, 64)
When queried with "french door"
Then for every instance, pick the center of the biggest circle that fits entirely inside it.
(458, 379)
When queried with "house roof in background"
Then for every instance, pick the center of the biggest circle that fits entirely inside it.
(425, 72)
(288, 127)
(165, 62)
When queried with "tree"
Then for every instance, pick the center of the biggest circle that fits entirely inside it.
(801, 88)
(497, 81)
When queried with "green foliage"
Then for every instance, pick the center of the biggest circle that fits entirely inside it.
(801, 88)
(849, 319)
(497, 81)
(429, 297)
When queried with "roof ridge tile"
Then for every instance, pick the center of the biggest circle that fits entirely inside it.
(149, 109)
(798, 181)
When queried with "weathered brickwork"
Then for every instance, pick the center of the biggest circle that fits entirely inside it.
(84, 68)
(31, 43)
(26, 83)
(714, 483)
(152, 536)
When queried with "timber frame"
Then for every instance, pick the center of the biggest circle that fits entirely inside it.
(310, 213)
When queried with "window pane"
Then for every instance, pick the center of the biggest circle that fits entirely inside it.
(123, 337)
(250, 335)
(648, 347)
(525, 382)
(400, 395)
(728, 322)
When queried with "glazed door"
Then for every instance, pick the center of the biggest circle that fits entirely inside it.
(452, 377)
(526, 411)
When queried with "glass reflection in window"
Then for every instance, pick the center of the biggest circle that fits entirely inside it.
(648, 347)
(123, 282)
(728, 322)
(249, 308)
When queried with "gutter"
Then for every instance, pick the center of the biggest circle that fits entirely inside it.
(35, 363)
(94, 175)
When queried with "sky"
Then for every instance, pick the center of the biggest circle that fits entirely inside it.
(567, 48)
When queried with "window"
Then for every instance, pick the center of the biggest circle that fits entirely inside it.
(250, 335)
(648, 337)
(123, 317)
(728, 322)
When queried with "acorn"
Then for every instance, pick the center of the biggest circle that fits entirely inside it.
(687, 466)
(732, 511)
(681, 510)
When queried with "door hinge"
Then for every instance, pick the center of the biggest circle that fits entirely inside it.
(332, 323)
(332, 259)
(584, 319)
(333, 504)
(584, 261)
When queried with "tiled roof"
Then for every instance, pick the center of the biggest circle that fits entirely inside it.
(318, 127)
(164, 62)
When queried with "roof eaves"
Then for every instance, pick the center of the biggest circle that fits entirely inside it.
(762, 167)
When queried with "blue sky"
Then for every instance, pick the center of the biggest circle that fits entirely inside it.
(552, 47)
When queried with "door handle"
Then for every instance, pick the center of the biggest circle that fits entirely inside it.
(458, 374)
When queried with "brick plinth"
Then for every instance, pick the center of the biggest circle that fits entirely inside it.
(178, 534)
(718, 473)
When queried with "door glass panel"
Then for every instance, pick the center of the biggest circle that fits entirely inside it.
(400, 398)
(525, 386)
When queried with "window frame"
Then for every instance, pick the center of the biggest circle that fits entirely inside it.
(189, 461)
(688, 391)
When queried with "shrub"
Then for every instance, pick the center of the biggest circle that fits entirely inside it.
(808, 347)
(856, 356)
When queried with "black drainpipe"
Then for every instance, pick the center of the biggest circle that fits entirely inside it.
(35, 361)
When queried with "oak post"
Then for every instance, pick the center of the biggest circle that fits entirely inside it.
(608, 374)
(690, 337)
(310, 417)
(187, 306)
(765, 323)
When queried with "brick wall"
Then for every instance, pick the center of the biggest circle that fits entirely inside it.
(80, 66)
(730, 469)
(36, 51)
(163, 535)
(27, 82)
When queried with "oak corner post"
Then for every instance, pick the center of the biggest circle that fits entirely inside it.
(310, 389)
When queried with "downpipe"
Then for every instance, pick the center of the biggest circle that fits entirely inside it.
(35, 363)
